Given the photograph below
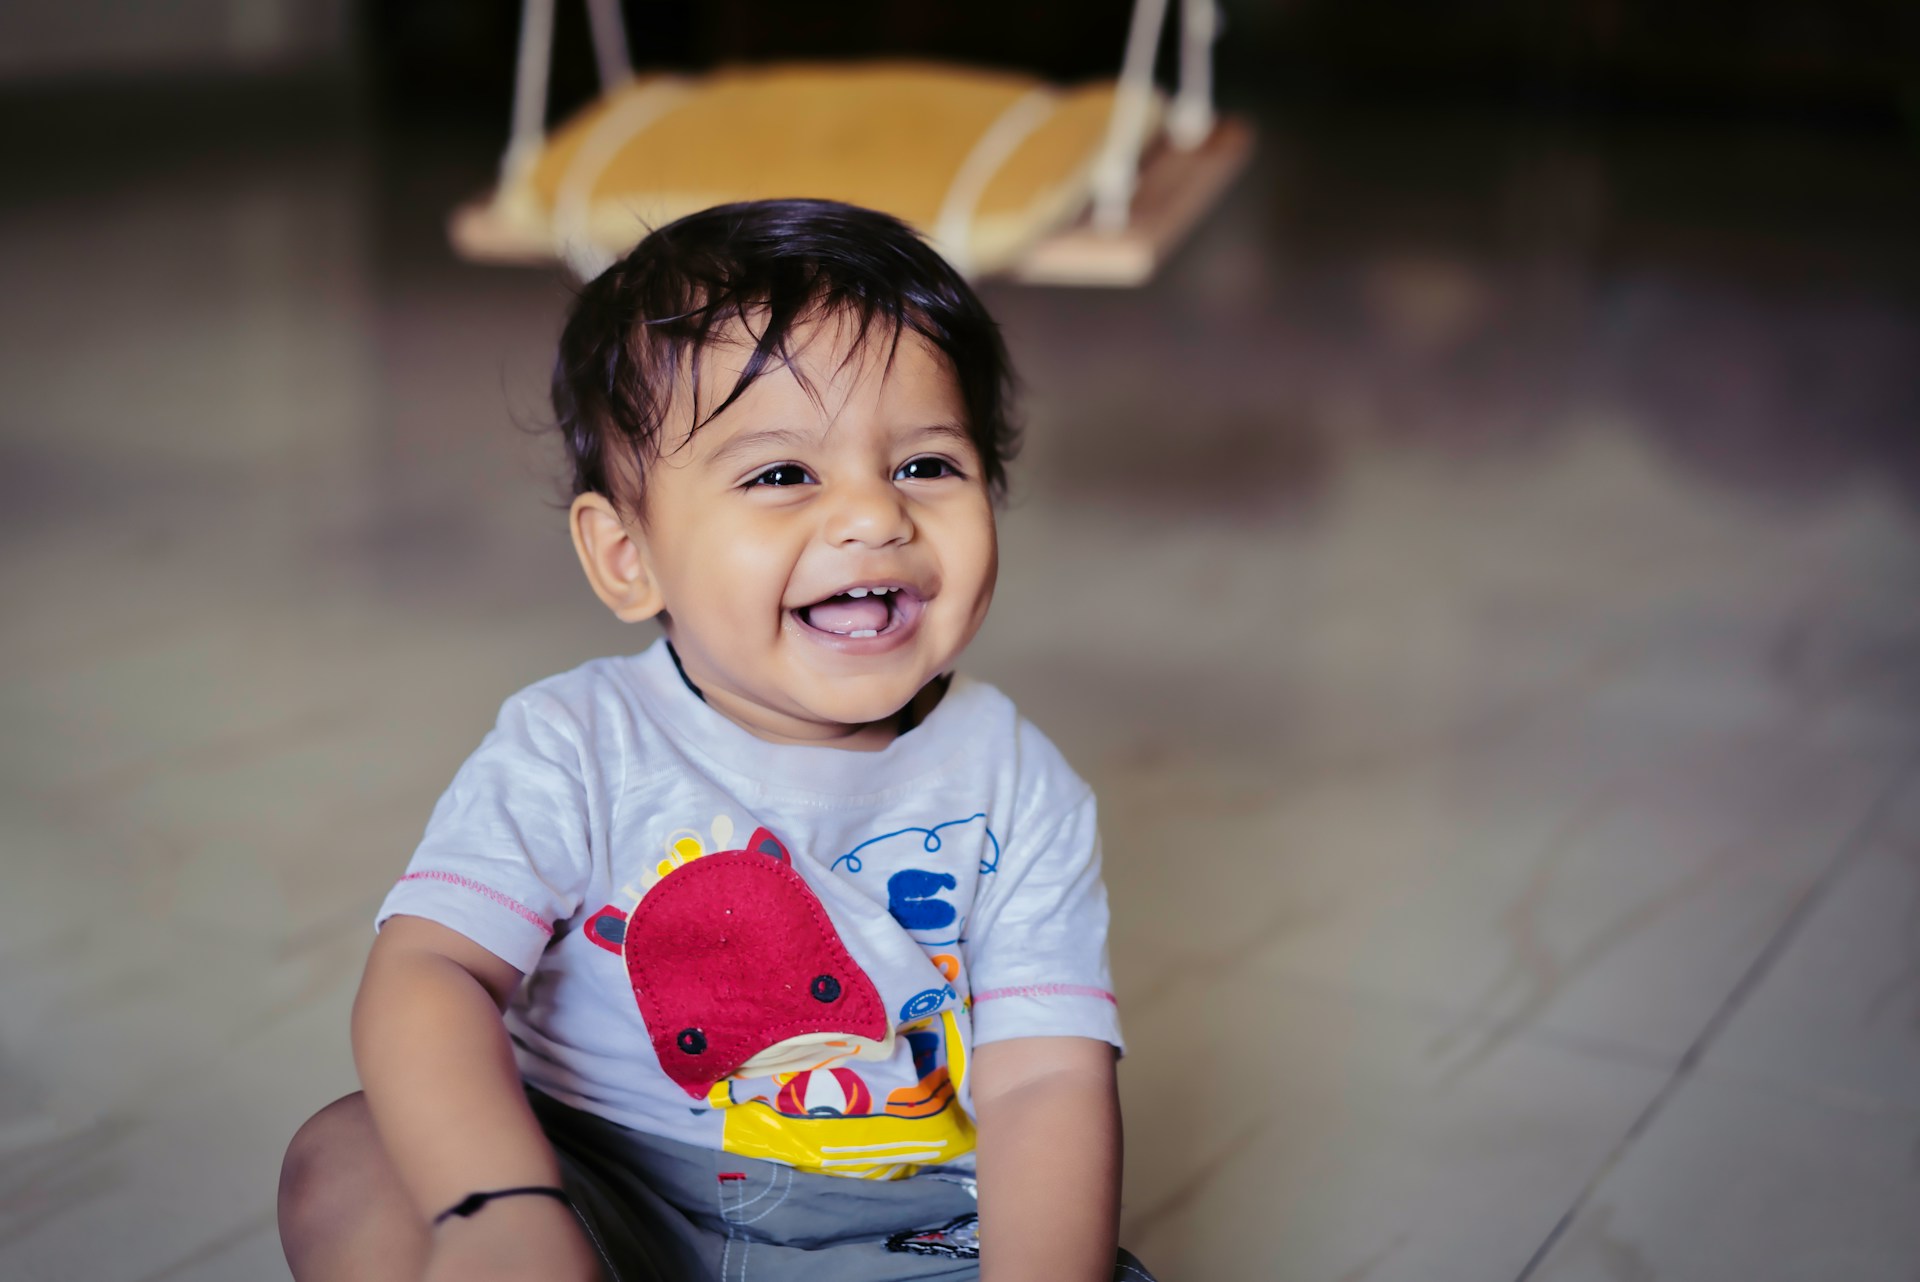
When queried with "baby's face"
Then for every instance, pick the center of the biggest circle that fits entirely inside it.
(821, 558)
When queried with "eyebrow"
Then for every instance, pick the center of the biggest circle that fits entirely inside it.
(753, 442)
(952, 431)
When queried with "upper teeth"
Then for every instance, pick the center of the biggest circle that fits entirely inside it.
(863, 591)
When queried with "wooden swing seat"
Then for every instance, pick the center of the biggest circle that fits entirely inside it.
(994, 167)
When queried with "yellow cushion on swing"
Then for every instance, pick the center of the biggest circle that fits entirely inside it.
(984, 162)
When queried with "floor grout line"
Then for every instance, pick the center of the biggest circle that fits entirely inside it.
(1857, 840)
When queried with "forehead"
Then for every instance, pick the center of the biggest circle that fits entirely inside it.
(824, 370)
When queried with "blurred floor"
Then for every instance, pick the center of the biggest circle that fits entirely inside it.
(1479, 578)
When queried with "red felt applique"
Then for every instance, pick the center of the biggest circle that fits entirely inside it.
(731, 954)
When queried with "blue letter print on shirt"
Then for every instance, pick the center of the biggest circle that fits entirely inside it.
(913, 898)
(914, 894)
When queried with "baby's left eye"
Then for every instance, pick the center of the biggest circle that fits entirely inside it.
(925, 469)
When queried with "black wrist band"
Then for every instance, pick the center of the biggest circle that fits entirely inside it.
(474, 1201)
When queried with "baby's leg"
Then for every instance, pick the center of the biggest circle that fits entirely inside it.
(343, 1211)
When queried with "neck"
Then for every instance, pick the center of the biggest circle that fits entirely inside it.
(775, 727)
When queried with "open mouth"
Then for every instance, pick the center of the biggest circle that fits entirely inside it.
(871, 610)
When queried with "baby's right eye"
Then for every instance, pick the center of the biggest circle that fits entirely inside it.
(783, 474)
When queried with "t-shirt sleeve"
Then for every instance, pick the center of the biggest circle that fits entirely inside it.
(1037, 947)
(507, 852)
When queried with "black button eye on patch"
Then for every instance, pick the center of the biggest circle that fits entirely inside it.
(691, 1040)
(825, 988)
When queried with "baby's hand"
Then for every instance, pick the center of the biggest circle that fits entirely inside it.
(521, 1239)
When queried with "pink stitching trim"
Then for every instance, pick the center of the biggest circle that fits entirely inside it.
(1046, 990)
(467, 883)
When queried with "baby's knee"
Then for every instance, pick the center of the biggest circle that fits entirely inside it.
(343, 1212)
(324, 1173)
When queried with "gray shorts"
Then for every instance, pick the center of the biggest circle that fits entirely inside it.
(662, 1211)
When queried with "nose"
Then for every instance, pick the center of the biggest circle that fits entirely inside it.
(869, 513)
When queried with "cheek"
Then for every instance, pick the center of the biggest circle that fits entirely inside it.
(758, 555)
(977, 542)
(970, 556)
(989, 575)
(737, 571)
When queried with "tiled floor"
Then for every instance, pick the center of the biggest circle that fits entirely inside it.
(1480, 578)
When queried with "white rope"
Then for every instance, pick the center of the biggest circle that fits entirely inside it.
(1117, 169)
(610, 50)
(529, 128)
(953, 226)
(609, 136)
(1190, 119)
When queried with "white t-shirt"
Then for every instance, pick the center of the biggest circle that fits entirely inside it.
(783, 952)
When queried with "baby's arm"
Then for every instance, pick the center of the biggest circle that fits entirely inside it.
(1048, 1159)
(445, 1095)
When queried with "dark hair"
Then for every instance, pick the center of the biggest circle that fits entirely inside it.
(764, 267)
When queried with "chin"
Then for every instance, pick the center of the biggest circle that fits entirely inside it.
(865, 712)
(849, 708)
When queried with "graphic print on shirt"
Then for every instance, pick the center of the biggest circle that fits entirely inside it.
(754, 1006)
(919, 898)
(737, 969)
(828, 1120)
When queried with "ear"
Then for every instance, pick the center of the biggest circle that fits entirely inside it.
(610, 553)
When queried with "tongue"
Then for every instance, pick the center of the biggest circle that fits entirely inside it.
(849, 614)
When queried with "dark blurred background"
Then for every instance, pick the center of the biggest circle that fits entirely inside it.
(1567, 147)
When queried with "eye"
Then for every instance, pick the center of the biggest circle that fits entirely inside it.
(928, 467)
(781, 474)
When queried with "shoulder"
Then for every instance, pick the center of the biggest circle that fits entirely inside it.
(602, 699)
(1041, 776)
(593, 683)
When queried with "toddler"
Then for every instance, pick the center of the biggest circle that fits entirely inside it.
(776, 950)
